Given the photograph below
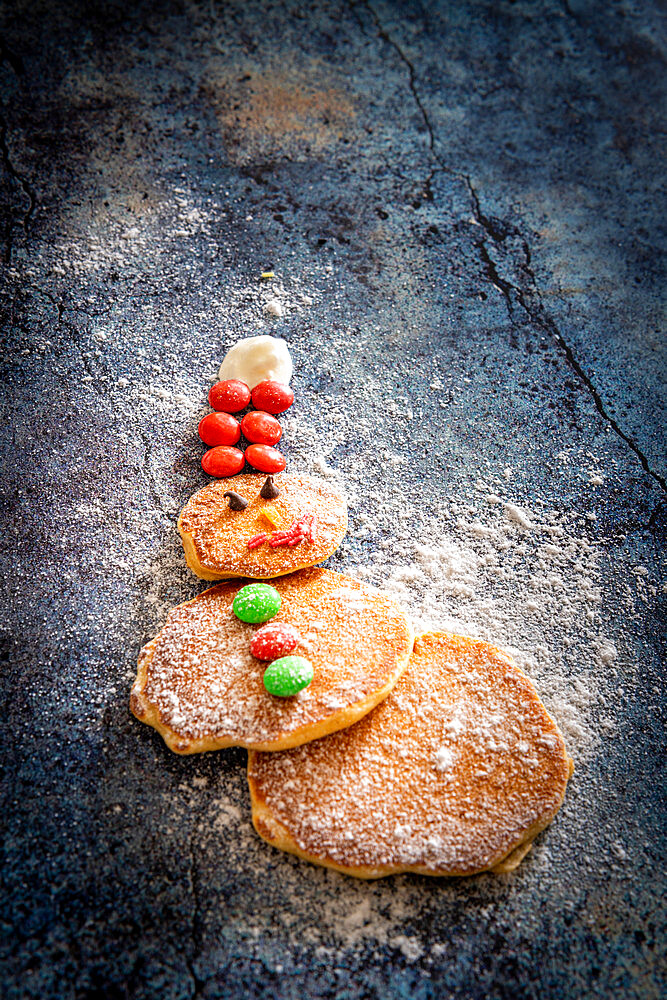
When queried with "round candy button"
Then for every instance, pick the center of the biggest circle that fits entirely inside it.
(274, 640)
(273, 397)
(265, 458)
(219, 428)
(256, 603)
(222, 461)
(230, 395)
(261, 428)
(288, 676)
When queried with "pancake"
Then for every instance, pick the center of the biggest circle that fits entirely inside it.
(215, 538)
(200, 687)
(455, 773)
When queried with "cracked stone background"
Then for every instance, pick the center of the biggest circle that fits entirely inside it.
(467, 190)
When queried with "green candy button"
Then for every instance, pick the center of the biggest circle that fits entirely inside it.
(256, 603)
(288, 676)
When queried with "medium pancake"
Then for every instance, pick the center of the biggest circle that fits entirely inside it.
(201, 688)
(215, 538)
(455, 773)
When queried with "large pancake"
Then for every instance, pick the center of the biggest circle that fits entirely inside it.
(201, 688)
(215, 538)
(455, 773)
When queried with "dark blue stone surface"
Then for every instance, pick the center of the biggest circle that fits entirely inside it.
(462, 195)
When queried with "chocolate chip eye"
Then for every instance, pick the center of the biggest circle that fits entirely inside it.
(236, 502)
(269, 490)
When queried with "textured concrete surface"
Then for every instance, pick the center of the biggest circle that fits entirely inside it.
(462, 203)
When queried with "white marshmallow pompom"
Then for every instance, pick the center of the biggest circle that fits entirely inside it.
(255, 359)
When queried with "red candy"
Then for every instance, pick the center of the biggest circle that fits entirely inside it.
(219, 428)
(261, 457)
(222, 461)
(273, 640)
(260, 428)
(229, 396)
(303, 528)
(257, 540)
(274, 397)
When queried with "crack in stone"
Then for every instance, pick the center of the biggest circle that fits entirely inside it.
(413, 90)
(22, 181)
(537, 314)
(76, 334)
(541, 318)
(56, 303)
(91, 314)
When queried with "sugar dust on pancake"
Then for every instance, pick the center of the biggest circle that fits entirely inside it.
(219, 542)
(455, 773)
(200, 686)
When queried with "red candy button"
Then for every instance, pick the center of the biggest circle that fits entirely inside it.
(273, 640)
(219, 428)
(266, 459)
(222, 461)
(260, 428)
(229, 396)
(274, 397)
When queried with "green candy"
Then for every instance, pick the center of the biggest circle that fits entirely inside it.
(288, 676)
(256, 603)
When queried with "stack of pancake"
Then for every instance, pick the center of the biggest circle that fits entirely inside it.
(430, 754)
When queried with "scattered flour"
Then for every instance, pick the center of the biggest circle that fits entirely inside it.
(408, 946)
(274, 307)
(528, 583)
(519, 516)
(535, 591)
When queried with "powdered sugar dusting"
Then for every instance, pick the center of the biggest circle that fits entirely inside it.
(454, 559)
(447, 775)
(200, 678)
(443, 758)
(508, 580)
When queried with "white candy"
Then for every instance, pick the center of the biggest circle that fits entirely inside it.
(257, 358)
